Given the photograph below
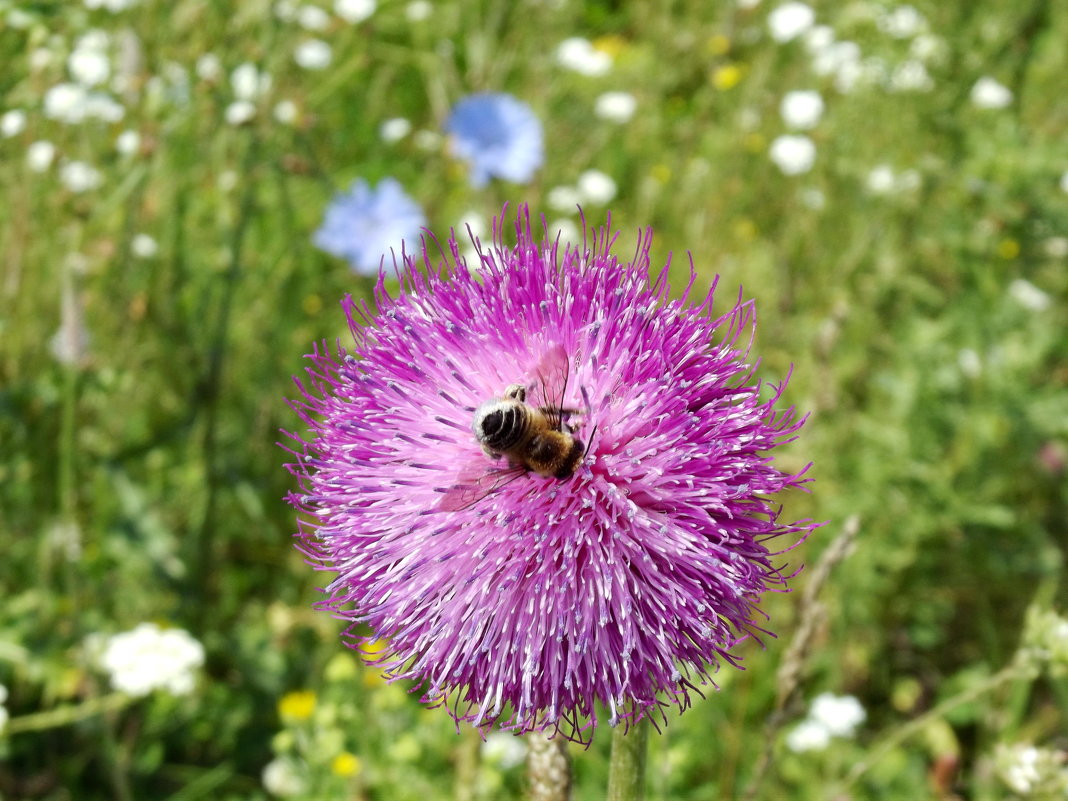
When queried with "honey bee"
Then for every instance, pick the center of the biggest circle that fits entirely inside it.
(532, 438)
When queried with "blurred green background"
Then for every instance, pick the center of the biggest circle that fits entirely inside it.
(155, 301)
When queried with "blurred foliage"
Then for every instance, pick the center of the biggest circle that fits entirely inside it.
(141, 480)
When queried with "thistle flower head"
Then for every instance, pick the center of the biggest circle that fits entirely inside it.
(526, 600)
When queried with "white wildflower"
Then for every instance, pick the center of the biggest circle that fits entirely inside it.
(314, 54)
(504, 750)
(355, 10)
(801, 109)
(66, 102)
(114, 6)
(208, 67)
(286, 112)
(881, 180)
(564, 198)
(1028, 295)
(818, 38)
(239, 112)
(149, 658)
(313, 18)
(104, 107)
(790, 20)
(615, 106)
(1056, 247)
(427, 140)
(835, 57)
(79, 177)
(88, 66)
(565, 229)
(839, 714)
(579, 55)
(1033, 772)
(394, 129)
(144, 246)
(927, 47)
(793, 154)
(282, 777)
(902, 22)
(13, 122)
(808, 735)
(128, 143)
(910, 76)
(969, 362)
(40, 155)
(988, 93)
(248, 82)
(596, 187)
(418, 10)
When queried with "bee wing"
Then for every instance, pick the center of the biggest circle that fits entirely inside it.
(473, 484)
(551, 374)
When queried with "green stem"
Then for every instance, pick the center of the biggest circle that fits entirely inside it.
(626, 771)
(1018, 669)
(65, 715)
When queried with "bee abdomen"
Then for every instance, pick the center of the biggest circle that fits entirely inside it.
(571, 459)
(503, 428)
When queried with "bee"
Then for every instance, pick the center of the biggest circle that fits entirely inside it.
(532, 438)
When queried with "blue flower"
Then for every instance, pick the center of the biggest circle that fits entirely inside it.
(363, 225)
(498, 135)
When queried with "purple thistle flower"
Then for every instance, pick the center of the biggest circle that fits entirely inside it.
(365, 224)
(497, 135)
(533, 599)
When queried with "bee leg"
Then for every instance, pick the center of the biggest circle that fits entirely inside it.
(516, 392)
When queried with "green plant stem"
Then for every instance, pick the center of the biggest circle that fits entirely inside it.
(626, 771)
(65, 715)
(1015, 670)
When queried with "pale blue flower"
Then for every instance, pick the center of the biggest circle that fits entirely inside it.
(498, 135)
(363, 225)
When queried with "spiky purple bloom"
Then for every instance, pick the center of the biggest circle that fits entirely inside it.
(498, 135)
(364, 224)
(624, 584)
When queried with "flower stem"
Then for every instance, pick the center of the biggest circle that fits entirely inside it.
(549, 769)
(626, 771)
(65, 715)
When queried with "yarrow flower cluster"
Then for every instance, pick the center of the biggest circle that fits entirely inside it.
(148, 658)
(624, 584)
(498, 135)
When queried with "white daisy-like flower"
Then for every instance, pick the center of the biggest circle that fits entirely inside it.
(615, 106)
(901, 22)
(596, 187)
(208, 67)
(13, 122)
(286, 112)
(282, 777)
(313, 18)
(355, 10)
(78, 176)
(144, 246)
(564, 198)
(248, 82)
(40, 155)
(801, 109)
(839, 714)
(394, 129)
(66, 102)
(89, 66)
(1028, 295)
(128, 142)
(835, 57)
(790, 20)
(239, 112)
(314, 54)
(418, 10)
(808, 735)
(988, 93)
(793, 154)
(579, 55)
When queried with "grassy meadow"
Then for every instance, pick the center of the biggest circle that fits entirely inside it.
(905, 239)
